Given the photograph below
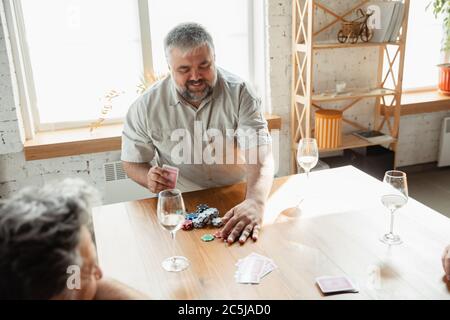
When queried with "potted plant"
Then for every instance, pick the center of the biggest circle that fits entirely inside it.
(442, 8)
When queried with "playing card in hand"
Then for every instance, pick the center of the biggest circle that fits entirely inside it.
(173, 174)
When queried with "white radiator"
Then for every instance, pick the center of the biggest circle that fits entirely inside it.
(444, 148)
(119, 188)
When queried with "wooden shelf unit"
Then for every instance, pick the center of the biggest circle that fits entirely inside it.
(304, 96)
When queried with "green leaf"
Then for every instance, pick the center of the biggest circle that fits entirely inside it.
(442, 8)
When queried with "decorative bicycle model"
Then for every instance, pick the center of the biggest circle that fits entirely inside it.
(351, 31)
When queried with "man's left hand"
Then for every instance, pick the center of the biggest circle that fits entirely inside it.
(242, 221)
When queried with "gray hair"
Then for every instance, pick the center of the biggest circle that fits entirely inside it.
(187, 36)
(39, 237)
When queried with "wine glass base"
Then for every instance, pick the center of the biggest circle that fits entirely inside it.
(391, 239)
(175, 264)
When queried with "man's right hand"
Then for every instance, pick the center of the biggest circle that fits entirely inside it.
(157, 180)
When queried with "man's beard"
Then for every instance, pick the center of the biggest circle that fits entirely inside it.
(196, 96)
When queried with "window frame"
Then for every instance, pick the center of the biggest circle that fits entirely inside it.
(27, 91)
(426, 87)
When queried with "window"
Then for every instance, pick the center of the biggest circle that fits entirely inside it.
(231, 36)
(79, 52)
(423, 47)
(74, 52)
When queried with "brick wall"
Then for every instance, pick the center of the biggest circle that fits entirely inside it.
(279, 43)
(419, 138)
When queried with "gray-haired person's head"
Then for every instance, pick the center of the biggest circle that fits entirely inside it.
(186, 37)
(39, 237)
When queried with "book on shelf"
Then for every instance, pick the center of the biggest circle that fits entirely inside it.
(392, 22)
(398, 23)
(386, 20)
(373, 136)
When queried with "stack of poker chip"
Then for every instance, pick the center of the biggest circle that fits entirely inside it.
(205, 215)
(201, 207)
(217, 222)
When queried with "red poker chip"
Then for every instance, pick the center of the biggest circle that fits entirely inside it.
(187, 225)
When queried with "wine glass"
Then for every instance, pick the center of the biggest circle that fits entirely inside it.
(307, 157)
(394, 198)
(171, 215)
(307, 154)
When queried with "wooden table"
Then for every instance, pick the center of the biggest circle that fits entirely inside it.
(335, 232)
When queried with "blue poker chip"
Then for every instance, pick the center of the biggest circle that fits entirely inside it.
(201, 207)
(191, 216)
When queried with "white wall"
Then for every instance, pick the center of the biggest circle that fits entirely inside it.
(15, 172)
(419, 138)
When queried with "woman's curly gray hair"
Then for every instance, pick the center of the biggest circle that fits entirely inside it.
(39, 237)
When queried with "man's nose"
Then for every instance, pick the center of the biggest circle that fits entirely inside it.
(195, 75)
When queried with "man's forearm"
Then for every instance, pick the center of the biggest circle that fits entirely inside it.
(137, 172)
(260, 176)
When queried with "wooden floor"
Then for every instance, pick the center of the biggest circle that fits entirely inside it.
(432, 188)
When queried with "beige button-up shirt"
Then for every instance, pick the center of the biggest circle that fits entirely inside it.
(163, 129)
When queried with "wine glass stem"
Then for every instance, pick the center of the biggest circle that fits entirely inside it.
(173, 233)
(392, 222)
(307, 184)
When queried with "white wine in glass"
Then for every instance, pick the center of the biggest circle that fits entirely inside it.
(171, 215)
(307, 158)
(395, 197)
(307, 154)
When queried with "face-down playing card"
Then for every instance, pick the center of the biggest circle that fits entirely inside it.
(336, 284)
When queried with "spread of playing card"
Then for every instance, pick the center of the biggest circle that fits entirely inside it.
(336, 284)
(173, 174)
(253, 268)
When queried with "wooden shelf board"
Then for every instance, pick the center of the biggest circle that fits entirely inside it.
(350, 141)
(301, 47)
(319, 46)
(353, 95)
